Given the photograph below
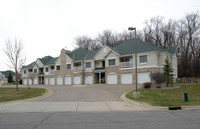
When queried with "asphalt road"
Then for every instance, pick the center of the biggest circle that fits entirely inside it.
(188, 119)
(90, 93)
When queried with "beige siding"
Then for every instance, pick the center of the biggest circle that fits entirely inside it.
(152, 59)
(35, 67)
(39, 63)
(58, 61)
(98, 64)
(102, 53)
(69, 61)
(112, 55)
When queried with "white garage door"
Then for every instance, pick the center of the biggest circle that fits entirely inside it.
(52, 81)
(143, 77)
(59, 81)
(112, 79)
(88, 79)
(46, 81)
(68, 80)
(25, 81)
(2, 81)
(30, 81)
(35, 81)
(126, 78)
(77, 80)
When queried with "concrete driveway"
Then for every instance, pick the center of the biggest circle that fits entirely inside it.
(76, 99)
(89, 93)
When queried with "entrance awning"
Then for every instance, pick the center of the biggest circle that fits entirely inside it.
(97, 70)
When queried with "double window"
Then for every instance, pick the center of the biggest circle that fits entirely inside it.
(68, 66)
(111, 62)
(24, 71)
(88, 64)
(143, 59)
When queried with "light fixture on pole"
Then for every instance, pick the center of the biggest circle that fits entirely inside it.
(135, 94)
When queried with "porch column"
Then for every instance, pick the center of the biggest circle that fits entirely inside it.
(99, 78)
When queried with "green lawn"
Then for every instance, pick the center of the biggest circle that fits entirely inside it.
(10, 94)
(170, 97)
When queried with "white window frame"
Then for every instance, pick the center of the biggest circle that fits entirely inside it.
(111, 59)
(90, 64)
(56, 68)
(70, 66)
(143, 62)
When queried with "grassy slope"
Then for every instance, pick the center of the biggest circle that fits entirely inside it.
(10, 94)
(170, 97)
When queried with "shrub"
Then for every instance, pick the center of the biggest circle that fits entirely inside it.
(147, 84)
(157, 77)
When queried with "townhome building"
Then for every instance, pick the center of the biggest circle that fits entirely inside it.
(4, 76)
(108, 65)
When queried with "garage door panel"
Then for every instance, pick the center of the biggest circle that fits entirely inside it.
(59, 81)
(25, 81)
(112, 79)
(88, 79)
(68, 80)
(143, 77)
(46, 81)
(52, 81)
(35, 81)
(77, 80)
(30, 82)
(126, 78)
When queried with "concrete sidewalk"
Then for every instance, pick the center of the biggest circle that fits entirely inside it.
(69, 107)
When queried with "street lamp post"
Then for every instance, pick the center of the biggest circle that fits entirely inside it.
(135, 94)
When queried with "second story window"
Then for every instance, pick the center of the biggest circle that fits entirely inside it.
(47, 69)
(68, 66)
(143, 59)
(88, 64)
(35, 70)
(58, 67)
(111, 62)
(24, 71)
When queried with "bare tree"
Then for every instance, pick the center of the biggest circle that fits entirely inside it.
(13, 50)
(30, 76)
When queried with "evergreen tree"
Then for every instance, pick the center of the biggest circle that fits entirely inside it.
(168, 72)
(10, 78)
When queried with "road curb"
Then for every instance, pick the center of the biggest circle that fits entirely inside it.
(126, 100)
(48, 93)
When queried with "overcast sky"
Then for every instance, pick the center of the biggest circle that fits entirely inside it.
(47, 26)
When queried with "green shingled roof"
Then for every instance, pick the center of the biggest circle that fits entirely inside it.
(45, 59)
(91, 54)
(28, 66)
(52, 61)
(127, 47)
(5, 73)
(78, 54)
